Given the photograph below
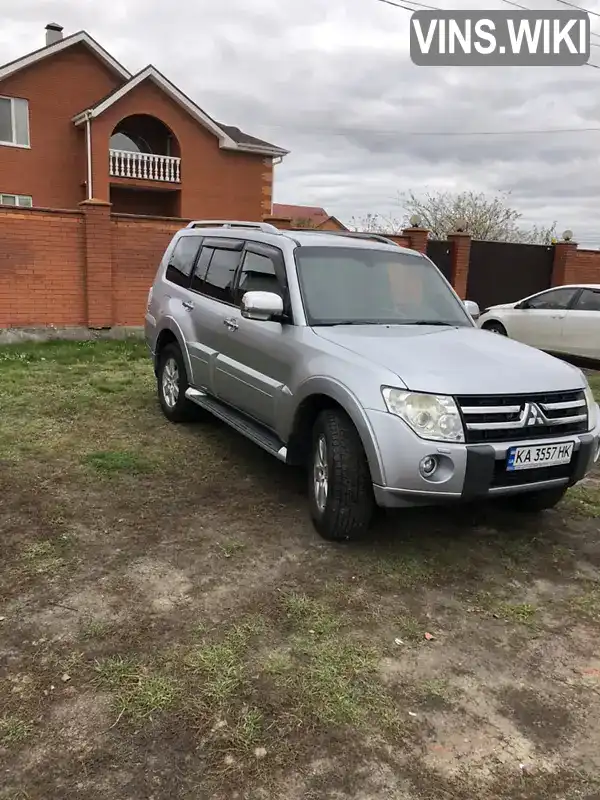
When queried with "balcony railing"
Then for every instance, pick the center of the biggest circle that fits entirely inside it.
(144, 166)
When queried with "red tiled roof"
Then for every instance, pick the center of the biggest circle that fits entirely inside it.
(314, 214)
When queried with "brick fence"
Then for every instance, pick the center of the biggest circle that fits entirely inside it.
(78, 268)
(94, 268)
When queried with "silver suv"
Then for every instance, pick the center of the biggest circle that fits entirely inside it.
(355, 357)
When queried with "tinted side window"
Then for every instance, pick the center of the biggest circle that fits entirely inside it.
(218, 282)
(258, 275)
(589, 300)
(182, 260)
(556, 300)
(201, 268)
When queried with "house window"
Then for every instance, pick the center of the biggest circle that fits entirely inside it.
(14, 121)
(16, 200)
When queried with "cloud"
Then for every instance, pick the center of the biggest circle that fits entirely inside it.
(333, 82)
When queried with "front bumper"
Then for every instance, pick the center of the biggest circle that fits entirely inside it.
(471, 471)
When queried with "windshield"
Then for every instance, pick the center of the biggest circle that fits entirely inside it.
(354, 286)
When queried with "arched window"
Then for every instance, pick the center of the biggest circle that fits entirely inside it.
(131, 142)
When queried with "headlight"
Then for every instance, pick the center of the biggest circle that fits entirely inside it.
(592, 407)
(431, 416)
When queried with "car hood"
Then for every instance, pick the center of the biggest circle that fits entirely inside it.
(455, 360)
(501, 305)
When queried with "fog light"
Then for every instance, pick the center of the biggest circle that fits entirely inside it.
(428, 466)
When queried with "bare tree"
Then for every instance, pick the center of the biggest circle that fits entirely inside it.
(376, 223)
(486, 218)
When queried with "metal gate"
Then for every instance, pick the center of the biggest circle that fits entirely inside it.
(503, 272)
(438, 250)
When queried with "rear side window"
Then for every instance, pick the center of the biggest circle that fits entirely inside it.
(182, 260)
(555, 300)
(218, 281)
(589, 300)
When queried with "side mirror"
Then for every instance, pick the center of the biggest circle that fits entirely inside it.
(262, 306)
(522, 305)
(472, 309)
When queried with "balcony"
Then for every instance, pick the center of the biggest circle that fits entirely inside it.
(144, 166)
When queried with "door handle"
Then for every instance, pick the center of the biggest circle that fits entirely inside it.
(187, 304)
(231, 323)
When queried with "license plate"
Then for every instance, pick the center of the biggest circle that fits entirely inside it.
(544, 455)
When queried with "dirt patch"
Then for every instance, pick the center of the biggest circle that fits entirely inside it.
(161, 586)
(545, 721)
(174, 628)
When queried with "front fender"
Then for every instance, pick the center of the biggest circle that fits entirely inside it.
(330, 387)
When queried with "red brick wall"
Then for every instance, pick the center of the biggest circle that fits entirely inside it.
(586, 267)
(215, 183)
(91, 267)
(57, 88)
(137, 247)
(42, 268)
(403, 241)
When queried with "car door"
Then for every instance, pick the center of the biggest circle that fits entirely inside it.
(581, 326)
(537, 321)
(178, 296)
(212, 295)
(255, 362)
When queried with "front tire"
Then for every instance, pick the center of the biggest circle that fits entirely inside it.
(340, 486)
(535, 502)
(495, 327)
(172, 380)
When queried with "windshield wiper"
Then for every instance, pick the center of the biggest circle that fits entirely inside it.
(385, 322)
(430, 322)
(349, 322)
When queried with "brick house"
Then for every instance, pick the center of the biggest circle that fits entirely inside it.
(308, 217)
(76, 125)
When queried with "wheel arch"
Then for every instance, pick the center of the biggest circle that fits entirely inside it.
(171, 334)
(322, 394)
(493, 321)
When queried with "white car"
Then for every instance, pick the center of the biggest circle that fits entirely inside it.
(564, 320)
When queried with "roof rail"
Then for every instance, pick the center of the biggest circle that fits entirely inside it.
(375, 237)
(265, 227)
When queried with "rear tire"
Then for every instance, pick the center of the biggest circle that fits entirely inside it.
(535, 502)
(340, 487)
(172, 382)
(495, 327)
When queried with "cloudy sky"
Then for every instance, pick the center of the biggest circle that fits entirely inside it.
(332, 81)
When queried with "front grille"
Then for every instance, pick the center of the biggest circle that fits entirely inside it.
(503, 418)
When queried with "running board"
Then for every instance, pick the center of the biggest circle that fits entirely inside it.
(247, 427)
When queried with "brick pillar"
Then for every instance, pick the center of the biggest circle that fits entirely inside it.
(417, 238)
(460, 254)
(98, 263)
(565, 256)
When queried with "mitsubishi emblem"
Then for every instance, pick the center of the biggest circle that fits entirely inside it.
(532, 415)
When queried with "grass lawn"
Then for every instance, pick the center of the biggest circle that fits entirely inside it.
(172, 627)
